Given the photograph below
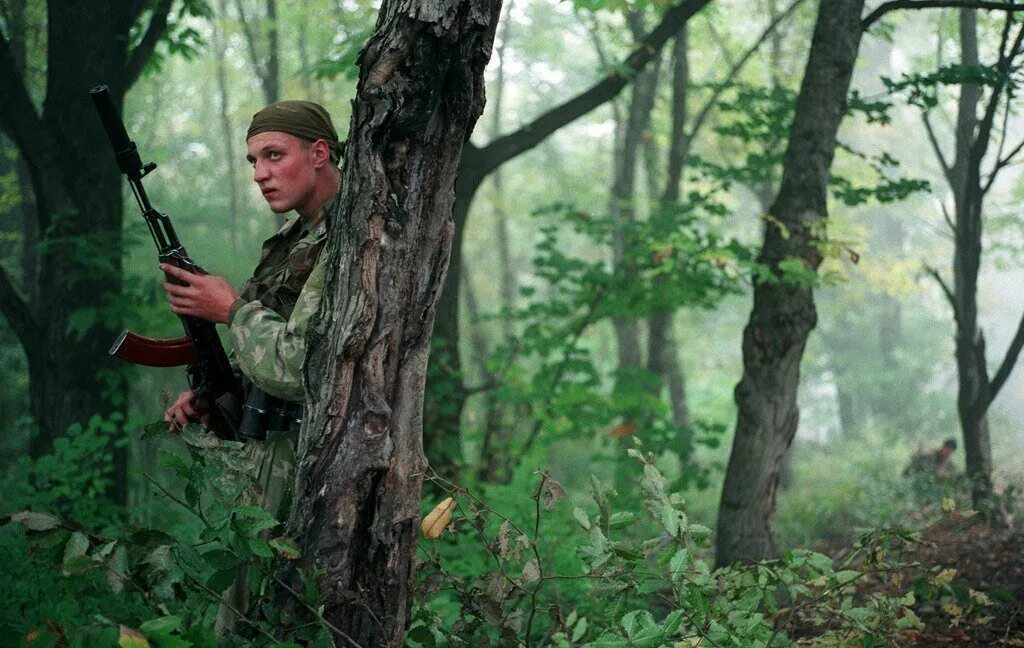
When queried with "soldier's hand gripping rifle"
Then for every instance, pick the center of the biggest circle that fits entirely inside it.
(209, 372)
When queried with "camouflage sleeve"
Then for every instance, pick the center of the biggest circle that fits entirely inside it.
(268, 348)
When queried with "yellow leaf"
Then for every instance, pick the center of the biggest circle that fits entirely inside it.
(438, 519)
(981, 598)
(948, 504)
(945, 577)
(131, 638)
(955, 612)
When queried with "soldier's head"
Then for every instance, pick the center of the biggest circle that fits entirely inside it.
(948, 448)
(294, 151)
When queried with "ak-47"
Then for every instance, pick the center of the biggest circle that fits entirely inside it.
(209, 372)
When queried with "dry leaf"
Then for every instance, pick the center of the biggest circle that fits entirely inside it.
(438, 519)
(623, 430)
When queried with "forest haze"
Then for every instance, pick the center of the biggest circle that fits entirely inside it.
(644, 324)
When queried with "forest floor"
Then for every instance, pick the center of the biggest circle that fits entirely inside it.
(982, 564)
(988, 559)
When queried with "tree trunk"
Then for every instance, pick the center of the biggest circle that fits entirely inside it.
(972, 372)
(784, 313)
(360, 455)
(622, 199)
(272, 85)
(662, 352)
(77, 191)
(220, 46)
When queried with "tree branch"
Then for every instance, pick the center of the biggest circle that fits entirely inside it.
(945, 288)
(250, 41)
(144, 50)
(18, 116)
(16, 309)
(1009, 360)
(712, 101)
(893, 5)
(1002, 163)
(509, 146)
(947, 170)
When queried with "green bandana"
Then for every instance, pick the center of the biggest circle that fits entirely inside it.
(304, 119)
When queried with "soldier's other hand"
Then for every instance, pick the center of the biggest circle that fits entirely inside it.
(207, 297)
(186, 409)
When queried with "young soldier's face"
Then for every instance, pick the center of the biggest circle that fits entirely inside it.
(284, 169)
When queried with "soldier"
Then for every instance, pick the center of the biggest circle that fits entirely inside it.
(294, 150)
(936, 464)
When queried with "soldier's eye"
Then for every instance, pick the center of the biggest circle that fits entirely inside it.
(274, 155)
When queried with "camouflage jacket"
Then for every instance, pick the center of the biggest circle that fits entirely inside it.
(268, 321)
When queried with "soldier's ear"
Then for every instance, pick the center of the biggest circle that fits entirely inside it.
(321, 153)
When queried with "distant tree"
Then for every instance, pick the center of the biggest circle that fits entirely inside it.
(969, 185)
(67, 321)
(784, 312)
(361, 461)
(261, 40)
(478, 163)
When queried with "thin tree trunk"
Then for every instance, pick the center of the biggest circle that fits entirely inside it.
(784, 313)
(360, 456)
(477, 163)
(272, 84)
(508, 271)
(220, 46)
(622, 202)
(662, 354)
(972, 393)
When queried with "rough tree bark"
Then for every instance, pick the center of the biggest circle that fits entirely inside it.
(361, 460)
(784, 313)
(77, 191)
(480, 162)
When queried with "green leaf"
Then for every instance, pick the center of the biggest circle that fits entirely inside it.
(422, 635)
(117, 569)
(678, 563)
(579, 630)
(162, 626)
(286, 548)
(77, 546)
(581, 517)
(260, 548)
(174, 461)
(36, 521)
(670, 520)
(254, 512)
(220, 580)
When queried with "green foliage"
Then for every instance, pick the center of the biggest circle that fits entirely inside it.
(922, 89)
(161, 584)
(75, 479)
(641, 578)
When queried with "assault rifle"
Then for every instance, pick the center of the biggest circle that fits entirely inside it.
(209, 372)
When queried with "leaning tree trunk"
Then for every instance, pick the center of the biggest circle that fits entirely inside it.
(784, 313)
(361, 461)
